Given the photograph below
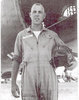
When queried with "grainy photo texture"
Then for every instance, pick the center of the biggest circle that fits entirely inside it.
(39, 52)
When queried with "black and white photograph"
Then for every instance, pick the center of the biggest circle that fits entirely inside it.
(39, 50)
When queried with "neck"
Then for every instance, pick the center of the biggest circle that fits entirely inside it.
(36, 27)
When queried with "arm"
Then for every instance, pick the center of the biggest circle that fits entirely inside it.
(14, 86)
(71, 62)
(58, 41)
(15, 66)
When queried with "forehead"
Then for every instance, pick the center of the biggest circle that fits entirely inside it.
(37, 7)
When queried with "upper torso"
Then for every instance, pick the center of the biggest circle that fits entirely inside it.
(33, 49)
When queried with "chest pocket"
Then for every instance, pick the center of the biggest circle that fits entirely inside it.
(48, 36)
(47, 40)
(28, 42)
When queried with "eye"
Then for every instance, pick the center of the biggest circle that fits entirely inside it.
(34, 11)
(40, 12)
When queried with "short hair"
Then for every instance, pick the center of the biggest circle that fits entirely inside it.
(37, 4)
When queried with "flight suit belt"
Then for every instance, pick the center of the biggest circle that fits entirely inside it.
(39, 61)
(36, 61)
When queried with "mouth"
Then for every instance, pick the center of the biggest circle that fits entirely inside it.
(37, 19)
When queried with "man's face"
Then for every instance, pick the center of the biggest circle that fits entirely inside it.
(37, 14)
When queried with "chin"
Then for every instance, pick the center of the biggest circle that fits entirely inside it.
(37, 23)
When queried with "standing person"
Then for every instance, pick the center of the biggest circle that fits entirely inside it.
(33, 48)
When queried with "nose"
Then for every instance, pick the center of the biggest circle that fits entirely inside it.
(37, 14)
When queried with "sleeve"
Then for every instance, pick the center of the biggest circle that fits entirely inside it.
(18, 49)
(58, 41)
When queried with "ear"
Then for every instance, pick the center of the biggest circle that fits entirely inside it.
(30, 14)
(44, 15)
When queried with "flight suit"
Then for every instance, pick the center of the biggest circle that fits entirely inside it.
(39, 80)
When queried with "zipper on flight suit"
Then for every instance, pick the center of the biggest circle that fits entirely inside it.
(37, 40)
(38, 62)
(39, 83)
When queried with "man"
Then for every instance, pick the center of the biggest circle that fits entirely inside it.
(33, 47)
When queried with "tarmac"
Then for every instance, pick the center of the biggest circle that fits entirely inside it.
(66, 90)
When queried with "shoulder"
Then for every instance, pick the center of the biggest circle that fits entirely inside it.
(51, 33)
(22, 33)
